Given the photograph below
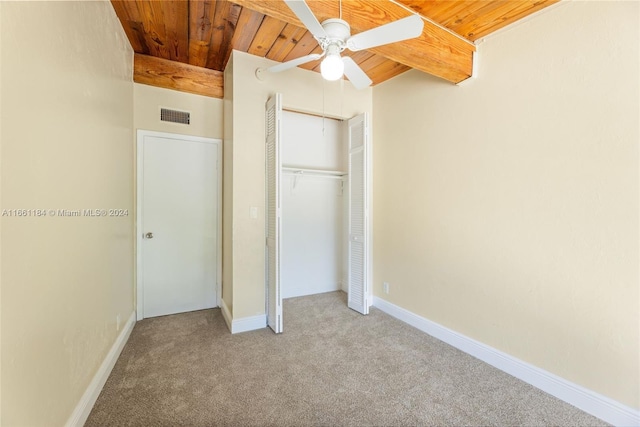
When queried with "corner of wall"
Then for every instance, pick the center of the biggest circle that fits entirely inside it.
(227, 192)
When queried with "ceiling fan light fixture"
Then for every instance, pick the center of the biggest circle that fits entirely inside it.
(332, 67)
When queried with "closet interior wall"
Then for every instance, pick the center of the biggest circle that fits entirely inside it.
(314, 202)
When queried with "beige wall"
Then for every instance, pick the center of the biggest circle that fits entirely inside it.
(67, 143)
(507, 208)
(302, 91)
(206, 112)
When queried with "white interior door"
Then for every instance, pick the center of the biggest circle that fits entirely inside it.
(178, 223)
(273, 166)
(358, 218)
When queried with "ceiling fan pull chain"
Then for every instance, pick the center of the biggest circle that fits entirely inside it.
(341, 97)
(324, 85)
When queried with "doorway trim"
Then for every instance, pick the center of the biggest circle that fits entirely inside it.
(140, 135)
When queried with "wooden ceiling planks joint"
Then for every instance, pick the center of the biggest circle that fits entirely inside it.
(286, 41)
(133, 28)
(224, 24)
(176, 26)
(246, 29)
(266, 36)
(201, 14)
(194, 38)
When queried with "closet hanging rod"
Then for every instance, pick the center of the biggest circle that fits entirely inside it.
(318, 172)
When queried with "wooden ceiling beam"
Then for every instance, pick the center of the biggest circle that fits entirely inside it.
(174, 75)
(436, 51)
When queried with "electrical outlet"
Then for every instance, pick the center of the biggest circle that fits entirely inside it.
(385, 287)
(118, 322)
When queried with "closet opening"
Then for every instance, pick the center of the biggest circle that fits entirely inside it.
(314, 201)
(317, 222)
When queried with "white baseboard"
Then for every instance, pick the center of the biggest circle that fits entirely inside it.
(244, 324)
(587, 400)
(85, 405)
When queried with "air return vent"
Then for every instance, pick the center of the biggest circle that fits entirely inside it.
(175, 116)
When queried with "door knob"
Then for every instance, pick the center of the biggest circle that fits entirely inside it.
(149, 235)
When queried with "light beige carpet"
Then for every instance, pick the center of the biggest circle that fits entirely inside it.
(330, 367)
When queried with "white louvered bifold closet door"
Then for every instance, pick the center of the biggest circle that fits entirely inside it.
(273, 229)
(358, 215)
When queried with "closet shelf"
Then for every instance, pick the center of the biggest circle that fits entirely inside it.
(306, 171)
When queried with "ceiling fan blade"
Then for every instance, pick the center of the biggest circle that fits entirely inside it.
(295, 62)
(354, 73)
(302, 11)
(402, 29)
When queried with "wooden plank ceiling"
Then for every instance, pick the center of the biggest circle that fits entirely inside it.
(185, 44)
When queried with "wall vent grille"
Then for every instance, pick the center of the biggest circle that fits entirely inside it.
(175, 116)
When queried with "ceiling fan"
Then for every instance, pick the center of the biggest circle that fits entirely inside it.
(334, 36)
